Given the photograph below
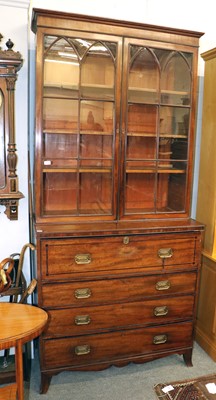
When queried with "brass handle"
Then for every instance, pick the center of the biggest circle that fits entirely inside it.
(82, 350)
(82, 258)
(163, 285)
(165, 253)
(126, 240)
(160, 339)
(160, 311)
(82, 320)
(83, 293)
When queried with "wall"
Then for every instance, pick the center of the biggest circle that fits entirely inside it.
(14, 25)
(192, 15)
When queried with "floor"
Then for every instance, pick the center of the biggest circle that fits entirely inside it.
(135, 381)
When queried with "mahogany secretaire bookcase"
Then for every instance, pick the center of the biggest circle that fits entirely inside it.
(118, 256)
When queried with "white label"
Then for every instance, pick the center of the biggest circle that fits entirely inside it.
(211, 387)
(167, 388)
(47, 162)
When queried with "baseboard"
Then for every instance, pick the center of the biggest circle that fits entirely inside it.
(206, 343)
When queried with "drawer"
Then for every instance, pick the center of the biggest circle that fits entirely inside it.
(64, 257)
(115, 346)
(111, 291)
(80, 321)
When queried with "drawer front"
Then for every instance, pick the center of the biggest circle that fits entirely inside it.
(85, 320)
(115, 346)
(77, 257)
(111, 291)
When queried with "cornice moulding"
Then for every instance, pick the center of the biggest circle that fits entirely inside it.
(15, 3)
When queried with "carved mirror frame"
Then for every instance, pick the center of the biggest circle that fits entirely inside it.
(10, 64)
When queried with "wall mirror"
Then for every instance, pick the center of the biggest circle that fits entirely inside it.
(10, 64)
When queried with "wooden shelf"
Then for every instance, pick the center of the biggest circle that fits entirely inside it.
(80, 170)
(140, 170)
(154, 135)
(103, 89)
(160, 170)
(60, 131)
(105, 92)
(76, 87)
(173, 136)
(105, 133)
(71, 132)
(165, 91)
(143, 134)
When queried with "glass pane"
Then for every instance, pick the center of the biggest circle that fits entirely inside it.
(140, 187)
(97, 73)
(60, 114)
(174, 122)
(141, 147)
(139, 192)
(156, 147)
(173, 149)
(60, 145)
(83, 45)
(165, 148)
(142, 119)
(95, 193)
(96, 116)
(179, 148)
(2, 143)
(96, 146)
(171, 191)
(60, 193)
(176, 80)
(99, 164)
(143, 76)
(78, 133)
(61, 68)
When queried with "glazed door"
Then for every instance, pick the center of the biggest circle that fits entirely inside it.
(155, 130)
(80, 118)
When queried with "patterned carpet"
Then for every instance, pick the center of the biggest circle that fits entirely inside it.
(202, 388)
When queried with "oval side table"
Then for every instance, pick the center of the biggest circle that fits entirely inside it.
(20, 323)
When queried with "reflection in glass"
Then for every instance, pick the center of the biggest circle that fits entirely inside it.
(61, 68)
(59, 188)
(98, 186)
(60, 114)
(176, 80)
(60, 145)
(171, 191)
(142, 119)
(98, 147)
(145, 147)
(139, 192)
(98, 82)
(143, 86)
(174, 121)
(96, 116)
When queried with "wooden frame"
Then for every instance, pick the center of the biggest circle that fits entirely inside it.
(10, 64)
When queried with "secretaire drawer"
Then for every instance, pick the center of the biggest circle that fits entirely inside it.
(64, 257)
(114, 346)
(85, 320)
(78, 294)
